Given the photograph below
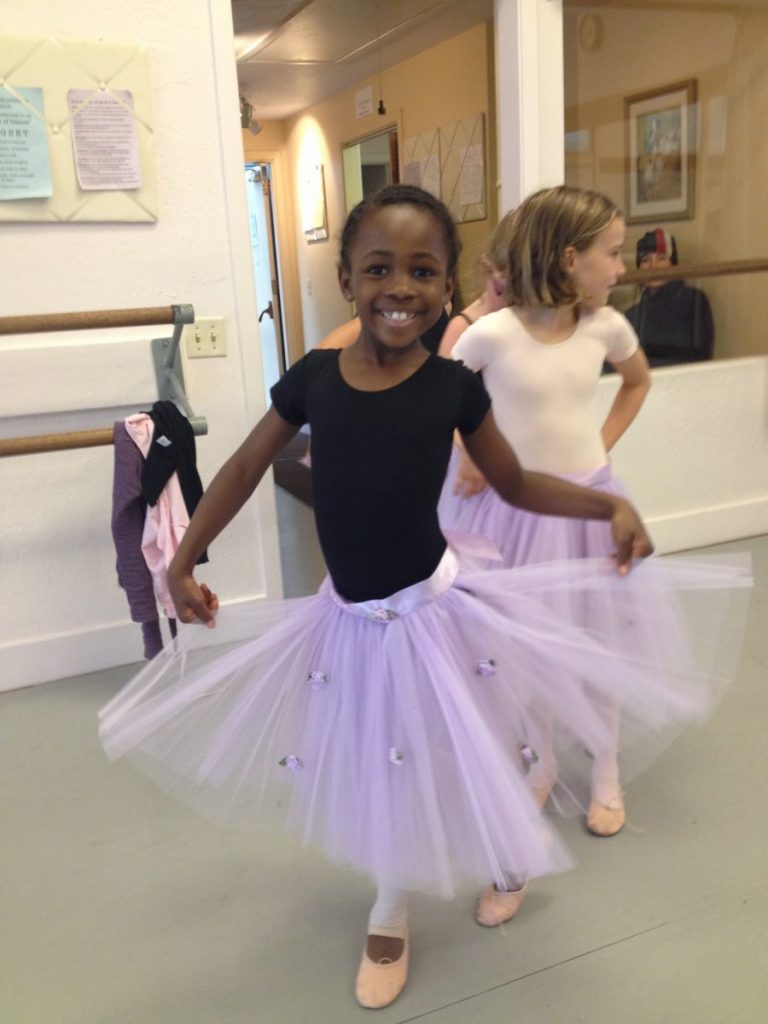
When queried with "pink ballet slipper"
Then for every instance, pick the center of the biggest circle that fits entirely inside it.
(379, 983)
(495, 906)
(606, 818)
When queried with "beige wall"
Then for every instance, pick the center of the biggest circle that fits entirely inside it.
(420, 94)
(725, 51)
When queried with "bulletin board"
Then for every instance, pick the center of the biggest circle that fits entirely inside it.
(449, 162)
(87, 103)
(421, 162)
(462, 168)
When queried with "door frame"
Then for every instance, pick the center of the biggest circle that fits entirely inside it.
(276, 301)
(285, 244)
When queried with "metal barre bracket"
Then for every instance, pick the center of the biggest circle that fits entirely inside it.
(165, 354)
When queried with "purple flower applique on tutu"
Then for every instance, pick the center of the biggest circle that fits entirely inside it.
(383, 615)
(318, 680)
(485, 668)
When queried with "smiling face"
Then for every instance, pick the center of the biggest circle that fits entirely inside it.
(596, 269)
(397, 274)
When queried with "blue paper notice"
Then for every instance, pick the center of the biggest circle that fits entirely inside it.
(25, 167)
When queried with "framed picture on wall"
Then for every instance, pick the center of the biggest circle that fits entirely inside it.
(661, 153)
(314, 212)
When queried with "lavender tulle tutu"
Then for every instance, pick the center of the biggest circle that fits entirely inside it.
(393, 734)
(523, 537)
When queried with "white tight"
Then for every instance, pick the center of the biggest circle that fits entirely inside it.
(390, 909)
(605, 767)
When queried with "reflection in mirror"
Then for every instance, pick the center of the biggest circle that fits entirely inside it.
(672, 318)
(368, 164)
(674, 140)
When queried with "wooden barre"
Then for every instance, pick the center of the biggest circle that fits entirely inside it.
(74, 439)
(694, 270)
(36, 324)
(39, 323)
(55, 442)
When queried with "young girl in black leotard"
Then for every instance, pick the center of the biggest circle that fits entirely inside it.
(383, 711)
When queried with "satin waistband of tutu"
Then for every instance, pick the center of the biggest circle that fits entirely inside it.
(386, 609)
(589, 477)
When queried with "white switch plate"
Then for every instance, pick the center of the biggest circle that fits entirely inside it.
(206, 339)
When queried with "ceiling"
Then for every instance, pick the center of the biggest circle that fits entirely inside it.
(292, 54)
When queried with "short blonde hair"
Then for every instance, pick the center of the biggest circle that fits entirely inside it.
(543, 227)
(497, 250)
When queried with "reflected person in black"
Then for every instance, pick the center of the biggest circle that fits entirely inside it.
(672, 319)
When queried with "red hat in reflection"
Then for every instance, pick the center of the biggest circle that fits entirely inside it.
(658, 241)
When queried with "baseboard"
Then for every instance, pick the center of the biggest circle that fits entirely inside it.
(48, 658)
(715, 525)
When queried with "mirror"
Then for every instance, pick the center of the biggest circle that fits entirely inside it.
(674, 141)
(369, 163)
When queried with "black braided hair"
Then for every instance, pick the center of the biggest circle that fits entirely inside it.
(399, 195)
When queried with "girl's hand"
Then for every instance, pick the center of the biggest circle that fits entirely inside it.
(194, 602)
(469, 480)
(632, 540)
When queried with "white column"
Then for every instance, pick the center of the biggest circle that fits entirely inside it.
(529, 97)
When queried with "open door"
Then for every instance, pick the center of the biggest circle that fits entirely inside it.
(265, 273)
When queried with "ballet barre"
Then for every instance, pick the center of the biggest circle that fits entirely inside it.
(168, 368)
(694, 270)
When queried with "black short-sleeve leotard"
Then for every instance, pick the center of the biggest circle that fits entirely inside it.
(379, 459)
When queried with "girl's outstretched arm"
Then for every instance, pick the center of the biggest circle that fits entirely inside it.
(228, 492)
(635, 385)
(456, 327)
(547, 495)
(469, 480)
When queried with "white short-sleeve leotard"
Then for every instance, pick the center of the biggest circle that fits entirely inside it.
(545, 396)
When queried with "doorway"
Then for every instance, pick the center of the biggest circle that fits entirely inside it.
(369, 163)
(266, 275)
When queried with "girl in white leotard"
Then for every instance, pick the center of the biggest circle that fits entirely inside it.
(541, 358)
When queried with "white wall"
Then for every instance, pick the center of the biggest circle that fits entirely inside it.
(529, 97)
(62, 612)
(696, 459)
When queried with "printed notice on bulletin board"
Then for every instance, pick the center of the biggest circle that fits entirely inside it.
(104, 138)
(421, 159)
(471, 177)
(462, 165)
(25, 167)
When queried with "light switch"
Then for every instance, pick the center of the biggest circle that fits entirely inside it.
(206, 338)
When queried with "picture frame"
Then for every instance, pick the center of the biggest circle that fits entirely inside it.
(314, 210)
(661, 153)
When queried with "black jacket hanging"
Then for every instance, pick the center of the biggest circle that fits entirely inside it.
(172, 451)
